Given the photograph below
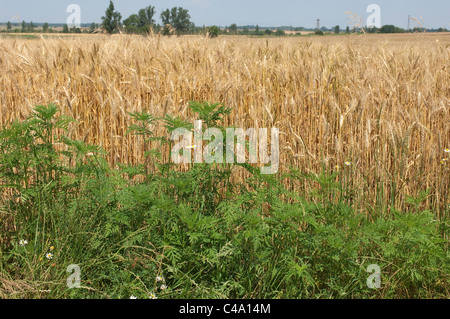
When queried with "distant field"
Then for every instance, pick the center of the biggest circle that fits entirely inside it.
(378, 101)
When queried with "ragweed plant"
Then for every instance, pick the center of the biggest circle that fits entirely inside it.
(196, 231)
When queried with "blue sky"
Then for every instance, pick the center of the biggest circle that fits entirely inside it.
(435, 13)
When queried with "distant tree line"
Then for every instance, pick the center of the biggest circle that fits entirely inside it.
(174, 21)
(389, 28)
(177, 21)
(31, 27)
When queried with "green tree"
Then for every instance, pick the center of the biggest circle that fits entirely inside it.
(192, 28)
(45, 27)
(388, 29)
(8, 26)
(167, 30)
(347, 30)
(391, 29)
(142, 22)
(111, 20)
(233, 29)
(337, 29)
(268, 31)
(131, 23)
(146, 20)
(93, 27)
(65, 29)
(178, 18)
(257, 30)
(31, 27)
(213, 31)
(24, 27)
(245, 31)
(280, 33)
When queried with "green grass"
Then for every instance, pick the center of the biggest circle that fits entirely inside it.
(207, 237)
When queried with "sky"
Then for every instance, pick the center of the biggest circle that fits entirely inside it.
(434, 13)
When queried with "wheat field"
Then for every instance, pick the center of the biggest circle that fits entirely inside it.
(378, 102)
